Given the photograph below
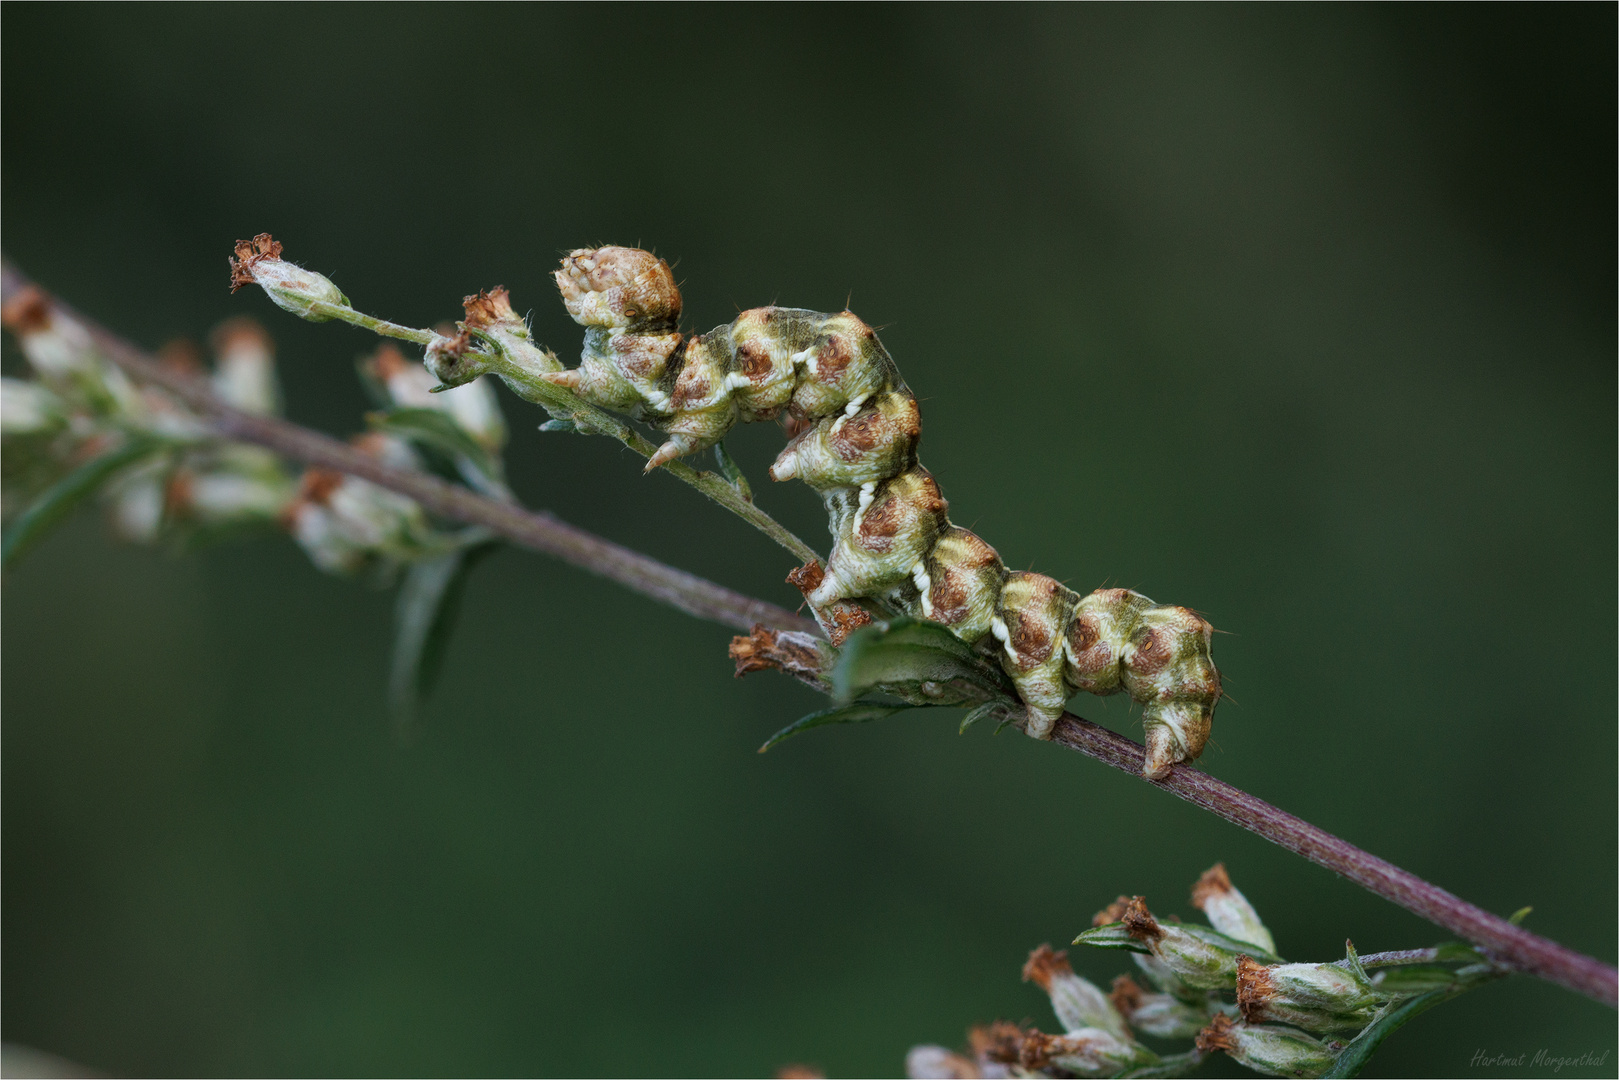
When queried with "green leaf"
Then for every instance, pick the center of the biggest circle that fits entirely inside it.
(1410, 979)
(732, 472)
(1517, 917)
(1111, 936)
(61, 497)
(560, 425)
(434, 429)
(1353, 1058)
(424, 613)
(977, 713)
(899, 655)
(861, 712)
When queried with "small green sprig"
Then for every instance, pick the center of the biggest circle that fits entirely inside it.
(1223, 987)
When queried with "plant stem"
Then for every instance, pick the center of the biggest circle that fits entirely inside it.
(563, 402)
(1505, 944)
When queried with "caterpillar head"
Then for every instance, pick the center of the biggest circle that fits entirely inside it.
(619, 288)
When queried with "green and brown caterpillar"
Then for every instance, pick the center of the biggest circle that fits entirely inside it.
(854, 427)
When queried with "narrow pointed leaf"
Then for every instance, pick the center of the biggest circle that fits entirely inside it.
(900, 655)
(424, 614)
(1353, 1058)
(560, 425)
(59, 500)
(861, 712)
(732, 472)
(1111, 936)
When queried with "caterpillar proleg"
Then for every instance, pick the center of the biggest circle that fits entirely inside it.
(853, 428)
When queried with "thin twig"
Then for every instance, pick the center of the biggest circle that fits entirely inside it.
(1504, 943)
(535, 529)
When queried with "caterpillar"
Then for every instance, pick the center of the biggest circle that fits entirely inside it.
(854, 427)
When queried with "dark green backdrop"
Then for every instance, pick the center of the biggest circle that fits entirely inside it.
(1304, 317)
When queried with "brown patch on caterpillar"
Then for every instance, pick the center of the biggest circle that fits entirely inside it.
(29, 312)
(1153, 650)
(964, 575)
(858, 435)
(1126, 995)
(838, 619)
(644, 356)
(1113, 913)
(755, 362)
(1044, 964)
(832, 356)
(765, 648)
(1138, 921)
(693, 385)
(904, 504)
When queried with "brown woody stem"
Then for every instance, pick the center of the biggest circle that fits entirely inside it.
(1504, 943)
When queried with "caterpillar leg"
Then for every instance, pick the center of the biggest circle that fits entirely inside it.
(1120, 640)
(1030, 616)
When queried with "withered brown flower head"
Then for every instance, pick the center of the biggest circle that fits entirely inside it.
(1001, 1041)
(1217, 1036)
(1254, 987)
(485, 309)
(27, 313)
(249, 253)
(1215, 882)
(1126, 995)
(1044, 964)
(1138, 921)
(1113, 913)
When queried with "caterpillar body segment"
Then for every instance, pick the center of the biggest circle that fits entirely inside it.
(854, 428)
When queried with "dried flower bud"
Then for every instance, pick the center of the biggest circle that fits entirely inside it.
(1076, 1001)
(490, 317)
(1158, 1014)
(1203, 959)
(244, 367)
(1229, 911)
(1085, 1052)
(937, 1063)
(292, 288)
(1272, 1051)
(27, 408)
(344, 523)
(1315, 997)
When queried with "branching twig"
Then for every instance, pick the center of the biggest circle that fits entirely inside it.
(1506, 944)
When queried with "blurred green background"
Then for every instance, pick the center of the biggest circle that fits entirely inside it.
(1303, 317)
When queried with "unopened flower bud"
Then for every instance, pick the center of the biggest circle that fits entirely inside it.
(27, 408)
(1228, 911)
(490, 317)
(1158, 1014)
(137, 500)
(1085, 1052)
(1201, 958)
(1076, 1001)
(937, 1063)
(1272, 1051)
(292, 288)
(244, 367)
(1315, 997)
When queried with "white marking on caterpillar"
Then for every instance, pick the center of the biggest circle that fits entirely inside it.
(867, 495)
(1004, 636)
(924, 584)
(854, 405)
(737, 381)
(800, 358)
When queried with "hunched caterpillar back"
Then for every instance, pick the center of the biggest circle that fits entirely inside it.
(854, 427)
